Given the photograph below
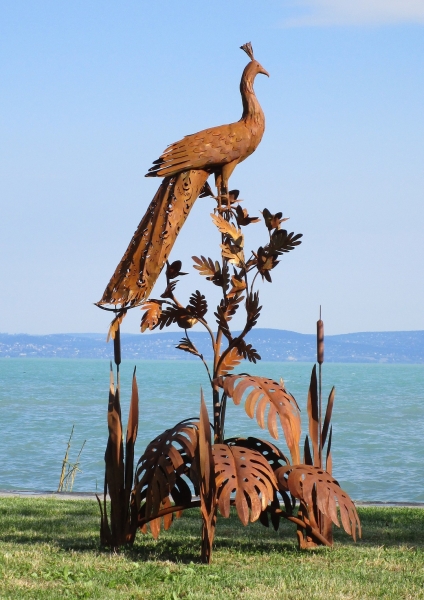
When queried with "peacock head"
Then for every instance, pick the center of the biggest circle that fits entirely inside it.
(253, 68)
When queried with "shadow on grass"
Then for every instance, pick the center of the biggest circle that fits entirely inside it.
(74, 525)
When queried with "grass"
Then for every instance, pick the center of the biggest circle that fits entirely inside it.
(50, 549)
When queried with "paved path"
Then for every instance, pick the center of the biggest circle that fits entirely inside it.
(92, 496)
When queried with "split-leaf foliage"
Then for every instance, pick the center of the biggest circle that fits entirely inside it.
(192, 464)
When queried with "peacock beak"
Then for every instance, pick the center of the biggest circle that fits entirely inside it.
(263, 71)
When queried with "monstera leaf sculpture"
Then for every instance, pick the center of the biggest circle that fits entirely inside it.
(267, 395)
(159, 473)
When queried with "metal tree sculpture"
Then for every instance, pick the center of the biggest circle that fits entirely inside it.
(182, 468)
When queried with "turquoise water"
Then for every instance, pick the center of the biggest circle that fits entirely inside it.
(378, 418)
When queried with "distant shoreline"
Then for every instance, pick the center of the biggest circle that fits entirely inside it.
(274, 345)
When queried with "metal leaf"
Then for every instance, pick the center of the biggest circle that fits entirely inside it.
(247, 474)
(238, 284)
(274, 456)
(187, 345)
(328, 413)
(173, 270)
(247, 351)
(308, 460)
(230, 361)
(225, 312)
(132, 429)
(253, 310)
(312, 407)
(172, 314)
(321, 491)
(169, 290)
(151, 317)
(227, 228)
(114, 467)
(282, 242)
(206, 266)
(159, 470)
(198, 305)
(207, 485)
(243, 218)
(233, 253)
(266, 394)
(329, 459)
(166, 521)
(115, 324)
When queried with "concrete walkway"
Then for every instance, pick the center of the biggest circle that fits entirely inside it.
(92, 496)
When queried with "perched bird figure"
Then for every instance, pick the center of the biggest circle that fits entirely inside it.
(185, 167)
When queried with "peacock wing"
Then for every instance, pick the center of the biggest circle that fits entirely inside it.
(204, 150)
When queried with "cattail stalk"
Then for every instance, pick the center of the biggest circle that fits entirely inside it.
(320, 360)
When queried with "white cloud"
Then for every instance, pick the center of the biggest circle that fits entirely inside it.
(356, 12)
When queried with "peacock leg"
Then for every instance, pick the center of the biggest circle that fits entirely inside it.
(221, 181)
(219, 190)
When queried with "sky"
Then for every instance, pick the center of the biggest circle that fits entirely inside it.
(92, 92)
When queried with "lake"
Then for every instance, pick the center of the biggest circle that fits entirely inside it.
(378, 418)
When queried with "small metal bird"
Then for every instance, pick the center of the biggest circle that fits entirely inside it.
(185, 166)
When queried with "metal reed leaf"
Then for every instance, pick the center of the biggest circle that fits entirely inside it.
(207, 485)
(328, 413)
(312, 407)
(132, 429)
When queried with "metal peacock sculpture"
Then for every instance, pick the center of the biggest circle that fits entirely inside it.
(185, 167)
(252, 475)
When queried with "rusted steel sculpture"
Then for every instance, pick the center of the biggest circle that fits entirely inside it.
(185, 166)
(192, 464)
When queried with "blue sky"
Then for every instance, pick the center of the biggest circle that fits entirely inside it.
(92, 92)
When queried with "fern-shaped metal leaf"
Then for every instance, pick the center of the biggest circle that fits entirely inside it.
(151, 317)
(230, 361)
(198, 305)
(206, 266)
(187, 345)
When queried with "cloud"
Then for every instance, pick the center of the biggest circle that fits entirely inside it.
(356, 12)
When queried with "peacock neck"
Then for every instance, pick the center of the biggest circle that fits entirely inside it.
(252, 110)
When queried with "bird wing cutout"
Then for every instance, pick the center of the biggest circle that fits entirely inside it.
(207, 148)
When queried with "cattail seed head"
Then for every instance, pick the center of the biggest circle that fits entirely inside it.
(117, 346)
(320, 341)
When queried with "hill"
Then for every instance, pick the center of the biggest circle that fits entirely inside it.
(272, 345)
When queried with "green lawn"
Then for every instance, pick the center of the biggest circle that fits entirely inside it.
(50, 549)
